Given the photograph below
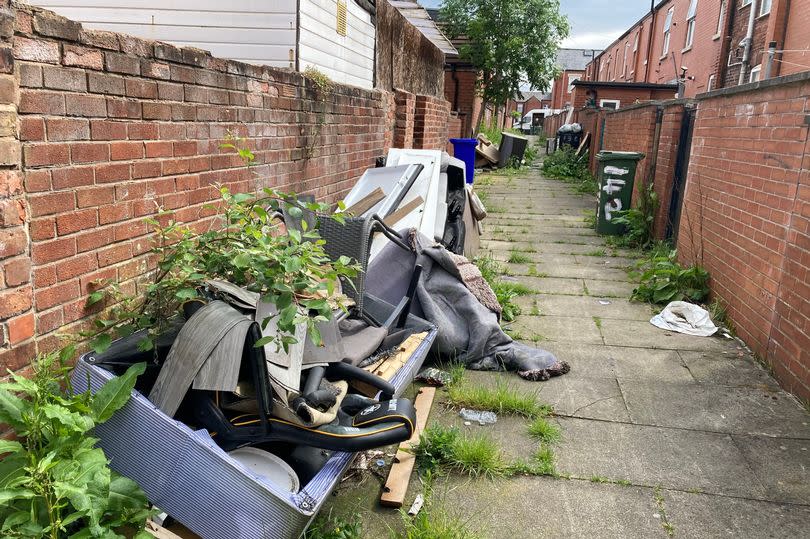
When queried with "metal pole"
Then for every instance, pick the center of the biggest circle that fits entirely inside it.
(749, 39)
(771, 55)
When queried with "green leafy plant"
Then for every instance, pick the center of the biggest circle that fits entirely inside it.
(248, 247)
(566, 166)
(323, 88)
(54, 482)
(334, 527)
(444, 448)
(505, 291)
(639, 223)
(663, 279)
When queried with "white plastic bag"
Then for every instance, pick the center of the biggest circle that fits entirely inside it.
(686, 318)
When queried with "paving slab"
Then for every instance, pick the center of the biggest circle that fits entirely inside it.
(737, 410)
(591, 398)
(550, 285)
(645, 335)
(782, 465)
(538, 507)
(585, 306)
(609, 289)
(671, 458)
(575, 270)
(558, 328)
(597, 361)
(729, 367)
(695, 515)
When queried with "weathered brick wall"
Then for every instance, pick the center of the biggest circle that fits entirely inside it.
(430, 123)
(746, 217)
(403, 128)
(632, 130)
(114, 128)
(460, 91)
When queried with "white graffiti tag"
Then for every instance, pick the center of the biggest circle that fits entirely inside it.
(611, 206)
(611, 187)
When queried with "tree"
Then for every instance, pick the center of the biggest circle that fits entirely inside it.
(511, 42)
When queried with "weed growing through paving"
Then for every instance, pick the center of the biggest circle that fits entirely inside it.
(590, 218)
(659, 501)
(435, 522)
(537, 337)
(598, 322)
(596, 252)
(504, 398)
(334, 527)
(544, 430)
(444, 448)
(599, 479)
(662, 279)
(505, 291)
(516, 257)
(535, 309)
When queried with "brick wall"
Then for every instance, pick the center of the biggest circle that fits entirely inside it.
(430, 123)
(460, 91)
(113, 128)
(403, 128)
(746, 217)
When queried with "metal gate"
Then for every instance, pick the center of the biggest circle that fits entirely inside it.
(681, 170)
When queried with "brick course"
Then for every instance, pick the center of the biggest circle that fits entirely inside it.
(113, 128)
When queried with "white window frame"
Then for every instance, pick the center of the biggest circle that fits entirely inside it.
(720, 18)
(616, 102)
(710, 84)
(762, 5)
(667, 31)
(624, 68)
(755, 71)
(690, 24)
(744, 3)
(571, 81)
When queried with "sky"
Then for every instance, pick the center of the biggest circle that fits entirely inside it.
(594, 23)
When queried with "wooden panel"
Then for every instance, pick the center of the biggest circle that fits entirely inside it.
(400, 475)
(346, 59)
(254, 31)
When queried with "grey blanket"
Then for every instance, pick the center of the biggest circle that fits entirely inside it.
(468, 331)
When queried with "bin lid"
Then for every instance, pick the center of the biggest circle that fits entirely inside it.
(513, 135)
(617, 156)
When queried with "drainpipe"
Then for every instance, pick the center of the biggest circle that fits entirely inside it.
(454, 76)
(749, 39)
(649, 42)
(771, 55)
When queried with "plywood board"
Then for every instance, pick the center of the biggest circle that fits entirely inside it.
(400, 474)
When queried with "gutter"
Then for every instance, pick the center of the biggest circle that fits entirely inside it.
(649, 42)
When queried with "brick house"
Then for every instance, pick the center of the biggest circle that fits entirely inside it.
(572, 64)
(699, 43)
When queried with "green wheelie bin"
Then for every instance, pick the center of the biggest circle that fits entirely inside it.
(616, 172)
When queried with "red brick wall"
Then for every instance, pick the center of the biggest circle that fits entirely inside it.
(403, 129)
(559, 93)
(739, 28)
(632, 130)
(112, 128)
(430, 123)
(746, 217)
(467, 103)
(455, 126)
(794, 17)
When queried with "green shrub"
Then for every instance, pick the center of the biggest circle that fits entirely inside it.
(565, 165)
(663, 279)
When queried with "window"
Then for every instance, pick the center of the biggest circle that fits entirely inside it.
(609, 103)
(720, 18)
(571, 80)
(690, 24)
(764, 7)
(667, 27)
(710, 84)
(754, 76)
(744, 3)
(624, 68)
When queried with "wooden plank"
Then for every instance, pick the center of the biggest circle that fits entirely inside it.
(387, 368)
(366, 203)
(584, 144)
(400, 474)
(395, 217)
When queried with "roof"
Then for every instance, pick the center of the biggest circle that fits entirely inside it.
(419, 17)
(628, 85)
(537, 95)
(575, 59)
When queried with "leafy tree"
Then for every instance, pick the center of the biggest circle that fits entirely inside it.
(510, 42)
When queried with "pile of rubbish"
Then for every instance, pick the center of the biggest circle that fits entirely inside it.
(511, 150)
(234, 436)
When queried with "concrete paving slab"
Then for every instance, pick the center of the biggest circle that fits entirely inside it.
(541, 507)
(645, 335)
(672, 458)
(586, 306)
(782, 465)
(715, 408)
(558, 328)
(610, 289)
(572, 270)
(598, 361)
(702, 515)
(551, 285)
(731, 367)
(592, 398)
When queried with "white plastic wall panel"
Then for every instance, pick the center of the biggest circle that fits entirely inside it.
(345, 59)
(252, 31)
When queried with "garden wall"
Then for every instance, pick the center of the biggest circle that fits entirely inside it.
(100, 130)
(746, 216)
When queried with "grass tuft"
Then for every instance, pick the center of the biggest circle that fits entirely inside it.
(516, 257)
(444, 448)
(435, 522)
(502, 399)
(543, 430)
(329, 527)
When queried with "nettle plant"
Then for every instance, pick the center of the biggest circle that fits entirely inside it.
(54, 482)
(248, 246)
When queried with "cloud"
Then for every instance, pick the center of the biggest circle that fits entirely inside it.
(591, 40)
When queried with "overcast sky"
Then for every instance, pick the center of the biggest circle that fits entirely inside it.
(594, 23)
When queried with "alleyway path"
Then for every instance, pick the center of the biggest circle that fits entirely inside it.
(662, 434)
(709, 443)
